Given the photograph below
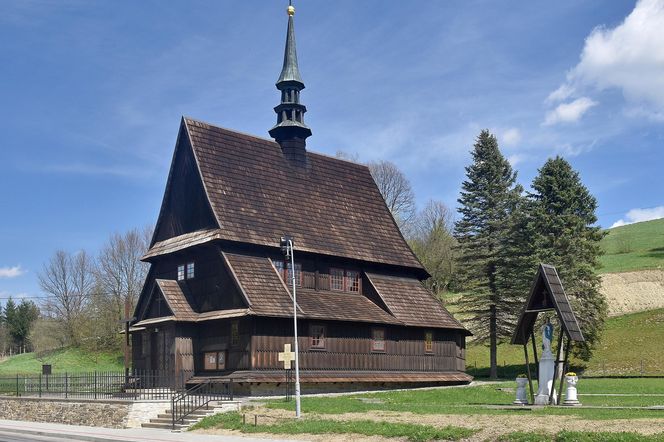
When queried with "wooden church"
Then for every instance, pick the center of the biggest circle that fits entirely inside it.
(216, 302)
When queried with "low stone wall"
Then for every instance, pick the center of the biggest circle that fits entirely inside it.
(108, 414)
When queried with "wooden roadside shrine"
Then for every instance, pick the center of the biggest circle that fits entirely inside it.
(547, 294)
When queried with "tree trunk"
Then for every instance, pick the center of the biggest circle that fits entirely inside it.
(493, 347)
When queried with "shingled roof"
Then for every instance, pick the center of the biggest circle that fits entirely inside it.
(547, 293)
(331, 207)
(408, 301)
(411, 303)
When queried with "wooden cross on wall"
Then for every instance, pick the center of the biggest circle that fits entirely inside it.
(287, 356)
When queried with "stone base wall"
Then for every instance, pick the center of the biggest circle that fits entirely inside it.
(141, 412)
(108, 414)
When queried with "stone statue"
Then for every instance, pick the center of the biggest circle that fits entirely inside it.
(546, 366)
(547, 337)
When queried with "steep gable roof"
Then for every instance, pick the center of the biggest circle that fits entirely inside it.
(546, 294)
(331, 207)
(411, 303)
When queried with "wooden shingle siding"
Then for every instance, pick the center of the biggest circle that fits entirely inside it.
(411, 303)
(252, 187)
(546, 293)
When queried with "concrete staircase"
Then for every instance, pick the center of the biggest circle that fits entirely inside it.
(165, 420)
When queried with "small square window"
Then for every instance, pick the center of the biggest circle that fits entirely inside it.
(337, 279)
(191, 270)
(317, 333)
(428, 342)
(181, 272)
(353, 281)
(378, 339)
(235, 333)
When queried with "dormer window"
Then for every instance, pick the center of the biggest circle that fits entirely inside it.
(187, 271)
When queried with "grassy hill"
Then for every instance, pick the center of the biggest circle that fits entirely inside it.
(637, 246)
(627, 340)
(71, 360)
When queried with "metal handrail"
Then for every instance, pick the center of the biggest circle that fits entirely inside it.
(195, 398)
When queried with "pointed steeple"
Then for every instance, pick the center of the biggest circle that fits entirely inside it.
(290, 131)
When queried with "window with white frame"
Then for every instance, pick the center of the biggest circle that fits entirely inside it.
(181, 272)
(336, 279)
(377, 339)
(191, 270)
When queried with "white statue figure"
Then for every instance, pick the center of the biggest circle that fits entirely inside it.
(546, 366)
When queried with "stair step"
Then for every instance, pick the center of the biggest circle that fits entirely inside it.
(169, 420)
(162, 426)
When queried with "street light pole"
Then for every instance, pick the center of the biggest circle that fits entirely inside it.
(287, 247)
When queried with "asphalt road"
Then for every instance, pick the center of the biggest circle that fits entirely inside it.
(21, 431)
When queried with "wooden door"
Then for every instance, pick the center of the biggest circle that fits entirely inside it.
(184, 359)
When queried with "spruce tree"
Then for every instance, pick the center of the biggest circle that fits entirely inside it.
(564, 234)
(488, 195)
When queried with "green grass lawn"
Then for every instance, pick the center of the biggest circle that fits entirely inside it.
(474, 400)
(71, 360)
(634, 247)
(577, 436)
(412, 432)
(627, 340)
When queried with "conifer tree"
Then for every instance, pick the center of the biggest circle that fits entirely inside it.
(564, 234)
(488, 196)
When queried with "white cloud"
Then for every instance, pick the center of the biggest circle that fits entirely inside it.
(639, 215)
(516, 159)
(11, 272)
(629, 57)
(560, 94)
(569, 112)
(511, 137)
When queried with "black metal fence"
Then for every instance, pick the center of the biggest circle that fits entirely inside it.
(138, 385)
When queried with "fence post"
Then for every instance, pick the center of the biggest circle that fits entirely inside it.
(66, 386)
(231, 388)
(16, 384)
(95, 387)
(40, 381)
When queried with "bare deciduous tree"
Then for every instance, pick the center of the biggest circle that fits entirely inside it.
(68, 280)
(120, 273)
(396, 190)
(433, 243)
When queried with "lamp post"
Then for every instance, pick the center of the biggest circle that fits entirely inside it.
(287, 249)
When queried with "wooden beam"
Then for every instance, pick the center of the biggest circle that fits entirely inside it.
(555, 368)
(530, 378)
(532, 336)
(562, 377)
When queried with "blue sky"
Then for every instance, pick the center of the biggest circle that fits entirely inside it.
(91, 94)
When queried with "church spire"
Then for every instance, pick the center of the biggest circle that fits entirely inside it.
(290, 131)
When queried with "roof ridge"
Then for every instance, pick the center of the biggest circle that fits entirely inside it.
(271, 141)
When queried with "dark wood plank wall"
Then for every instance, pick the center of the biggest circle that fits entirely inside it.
(212, 288)
(185, 207)
(348, 346)
(216, 336)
